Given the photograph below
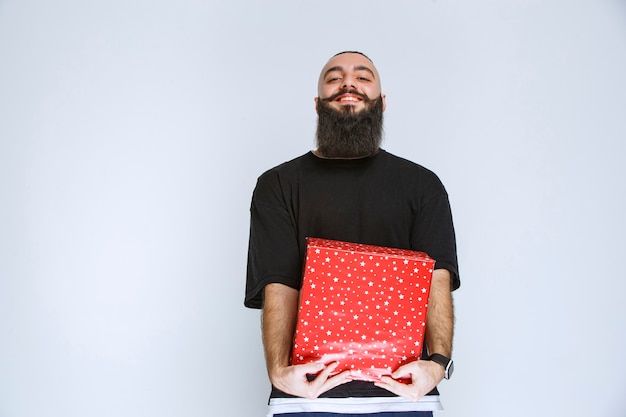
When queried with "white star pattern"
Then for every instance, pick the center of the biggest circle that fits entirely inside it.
(341, 289)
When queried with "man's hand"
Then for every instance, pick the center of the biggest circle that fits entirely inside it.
(293, 379)
(424, 376)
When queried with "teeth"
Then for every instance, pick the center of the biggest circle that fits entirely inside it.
(349, 99)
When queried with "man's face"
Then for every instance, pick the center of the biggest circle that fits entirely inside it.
(347, 82)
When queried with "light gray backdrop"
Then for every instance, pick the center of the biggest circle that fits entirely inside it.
(131, 136)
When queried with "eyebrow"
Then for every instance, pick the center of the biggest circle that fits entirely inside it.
(356, 68)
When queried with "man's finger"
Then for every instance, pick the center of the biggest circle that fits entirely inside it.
(321, 378)
(310, 368)
(336, 380)
(392, 385)
(405, 371)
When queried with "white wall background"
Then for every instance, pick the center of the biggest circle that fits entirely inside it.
(131, 136)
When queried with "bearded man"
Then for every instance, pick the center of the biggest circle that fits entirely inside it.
(349, 189)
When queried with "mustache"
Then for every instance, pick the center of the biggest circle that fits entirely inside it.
(346, 91)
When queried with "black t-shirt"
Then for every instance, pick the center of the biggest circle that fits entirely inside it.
(381, 200)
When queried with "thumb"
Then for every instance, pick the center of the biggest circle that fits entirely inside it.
(311, 368)
(401, 372)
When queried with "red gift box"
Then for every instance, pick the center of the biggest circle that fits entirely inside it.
(363, 306)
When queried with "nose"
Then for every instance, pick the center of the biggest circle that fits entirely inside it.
(348, 83)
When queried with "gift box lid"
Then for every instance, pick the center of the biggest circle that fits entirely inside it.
(363, 306)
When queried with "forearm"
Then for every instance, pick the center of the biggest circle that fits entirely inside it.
(278, 321)
(440, 317)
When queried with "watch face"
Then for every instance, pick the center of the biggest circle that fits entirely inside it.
(450, 370)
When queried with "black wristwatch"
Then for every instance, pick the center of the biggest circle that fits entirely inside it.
(447, 364)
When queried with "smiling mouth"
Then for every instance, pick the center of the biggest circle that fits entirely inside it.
(349, 99)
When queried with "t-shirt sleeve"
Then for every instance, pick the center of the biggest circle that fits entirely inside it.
(273, 255)
(433, 233)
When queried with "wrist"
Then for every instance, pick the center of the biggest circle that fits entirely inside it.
(436, 370)
(445, 364)
(276, 377)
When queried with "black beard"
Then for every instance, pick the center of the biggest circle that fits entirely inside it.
(346, 134)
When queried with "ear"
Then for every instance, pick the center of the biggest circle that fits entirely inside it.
(384, 99)
(316, 100)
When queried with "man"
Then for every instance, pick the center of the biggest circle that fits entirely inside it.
(349, 189)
